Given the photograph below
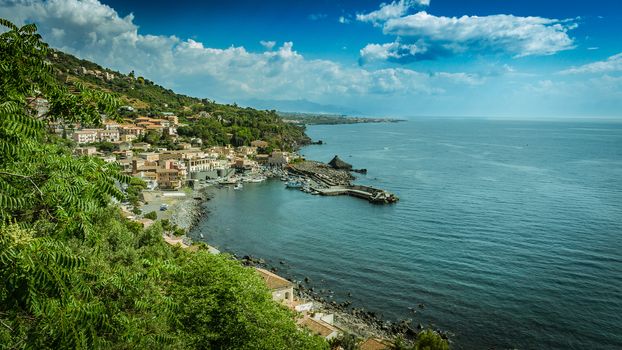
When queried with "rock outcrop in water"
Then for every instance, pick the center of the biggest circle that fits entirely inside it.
(337, 163)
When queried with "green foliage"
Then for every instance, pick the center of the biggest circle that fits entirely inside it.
(426, 340)
(430, 340)
(151, 215)
(345, 342)
(73, 273)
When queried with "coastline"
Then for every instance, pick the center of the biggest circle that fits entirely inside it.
(353, 320)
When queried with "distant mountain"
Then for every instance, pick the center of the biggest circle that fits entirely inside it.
(302, 105)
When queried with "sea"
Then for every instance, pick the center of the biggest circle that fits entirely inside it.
(507, 232)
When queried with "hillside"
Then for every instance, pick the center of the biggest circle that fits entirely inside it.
(214, 123)
(74, 273)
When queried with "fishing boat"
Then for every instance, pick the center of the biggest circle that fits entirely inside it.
(294, 184)
(238, 186)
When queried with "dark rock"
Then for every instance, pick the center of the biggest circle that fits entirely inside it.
(337, 163)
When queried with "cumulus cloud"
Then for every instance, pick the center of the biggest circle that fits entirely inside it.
(437, 36)
(268, 45)
(393, 10)
(611, 64)
(95, 31)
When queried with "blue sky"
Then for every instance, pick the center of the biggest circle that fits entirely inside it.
(492, 58)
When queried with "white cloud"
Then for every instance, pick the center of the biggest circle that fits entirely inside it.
(393, 10)
(437, 36)
(95, 31)
(268, 45)
(344, 20)
(394, 52)
(611, 64)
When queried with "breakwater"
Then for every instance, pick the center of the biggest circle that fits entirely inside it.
(328, 180)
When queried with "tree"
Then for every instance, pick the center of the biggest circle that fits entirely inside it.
(73, 272)
(430, 340)
(152, 215)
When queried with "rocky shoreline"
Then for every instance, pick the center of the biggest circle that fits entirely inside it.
(355, 320)
(189, 211)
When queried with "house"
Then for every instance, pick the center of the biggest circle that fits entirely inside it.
(127, 137)
(169, 130)
(149, 156)
(111, 125)
(108, 135)
(278, 159)
(185, 145)
(282, 289)
(124, 154)
(170, 179)
(141, 146)
(247, 150)
(85, 151)
(128, 129)
(319, 327)
(173, 119)
(262, 158)
(85, 136)
(374, 344)
(259, 144)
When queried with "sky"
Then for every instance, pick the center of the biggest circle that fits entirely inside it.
(486, 58)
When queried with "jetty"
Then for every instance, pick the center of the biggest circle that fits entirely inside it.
(373, 195)
(334, 179)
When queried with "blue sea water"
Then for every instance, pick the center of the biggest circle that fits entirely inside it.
(510, 232)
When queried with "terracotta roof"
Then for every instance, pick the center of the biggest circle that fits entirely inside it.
(373, 344)
(318, 327)
(272, 280)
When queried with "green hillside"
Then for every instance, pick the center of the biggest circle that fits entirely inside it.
(74, 274)
(214, 123)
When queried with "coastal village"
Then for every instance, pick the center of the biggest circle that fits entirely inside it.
(174, 176)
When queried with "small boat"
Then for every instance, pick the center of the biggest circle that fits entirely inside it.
(294, 184)
(238, 186)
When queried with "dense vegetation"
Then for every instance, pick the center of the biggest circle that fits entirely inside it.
(213, 123)
(73, 272)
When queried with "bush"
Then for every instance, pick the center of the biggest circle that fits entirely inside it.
(151, 215)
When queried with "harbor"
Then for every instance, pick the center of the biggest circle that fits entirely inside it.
(334, 179)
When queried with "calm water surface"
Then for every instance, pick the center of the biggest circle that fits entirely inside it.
(508, 231)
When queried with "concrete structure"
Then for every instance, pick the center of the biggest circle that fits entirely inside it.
(85, 151)
(108, 135)
(127, 137)
(278, 159)
(85, 136)
(282, 289)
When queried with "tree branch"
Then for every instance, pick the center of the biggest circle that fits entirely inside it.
(24, 177)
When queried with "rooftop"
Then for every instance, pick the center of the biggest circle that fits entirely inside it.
(272, 280)
(373, 344)
(318, 327)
